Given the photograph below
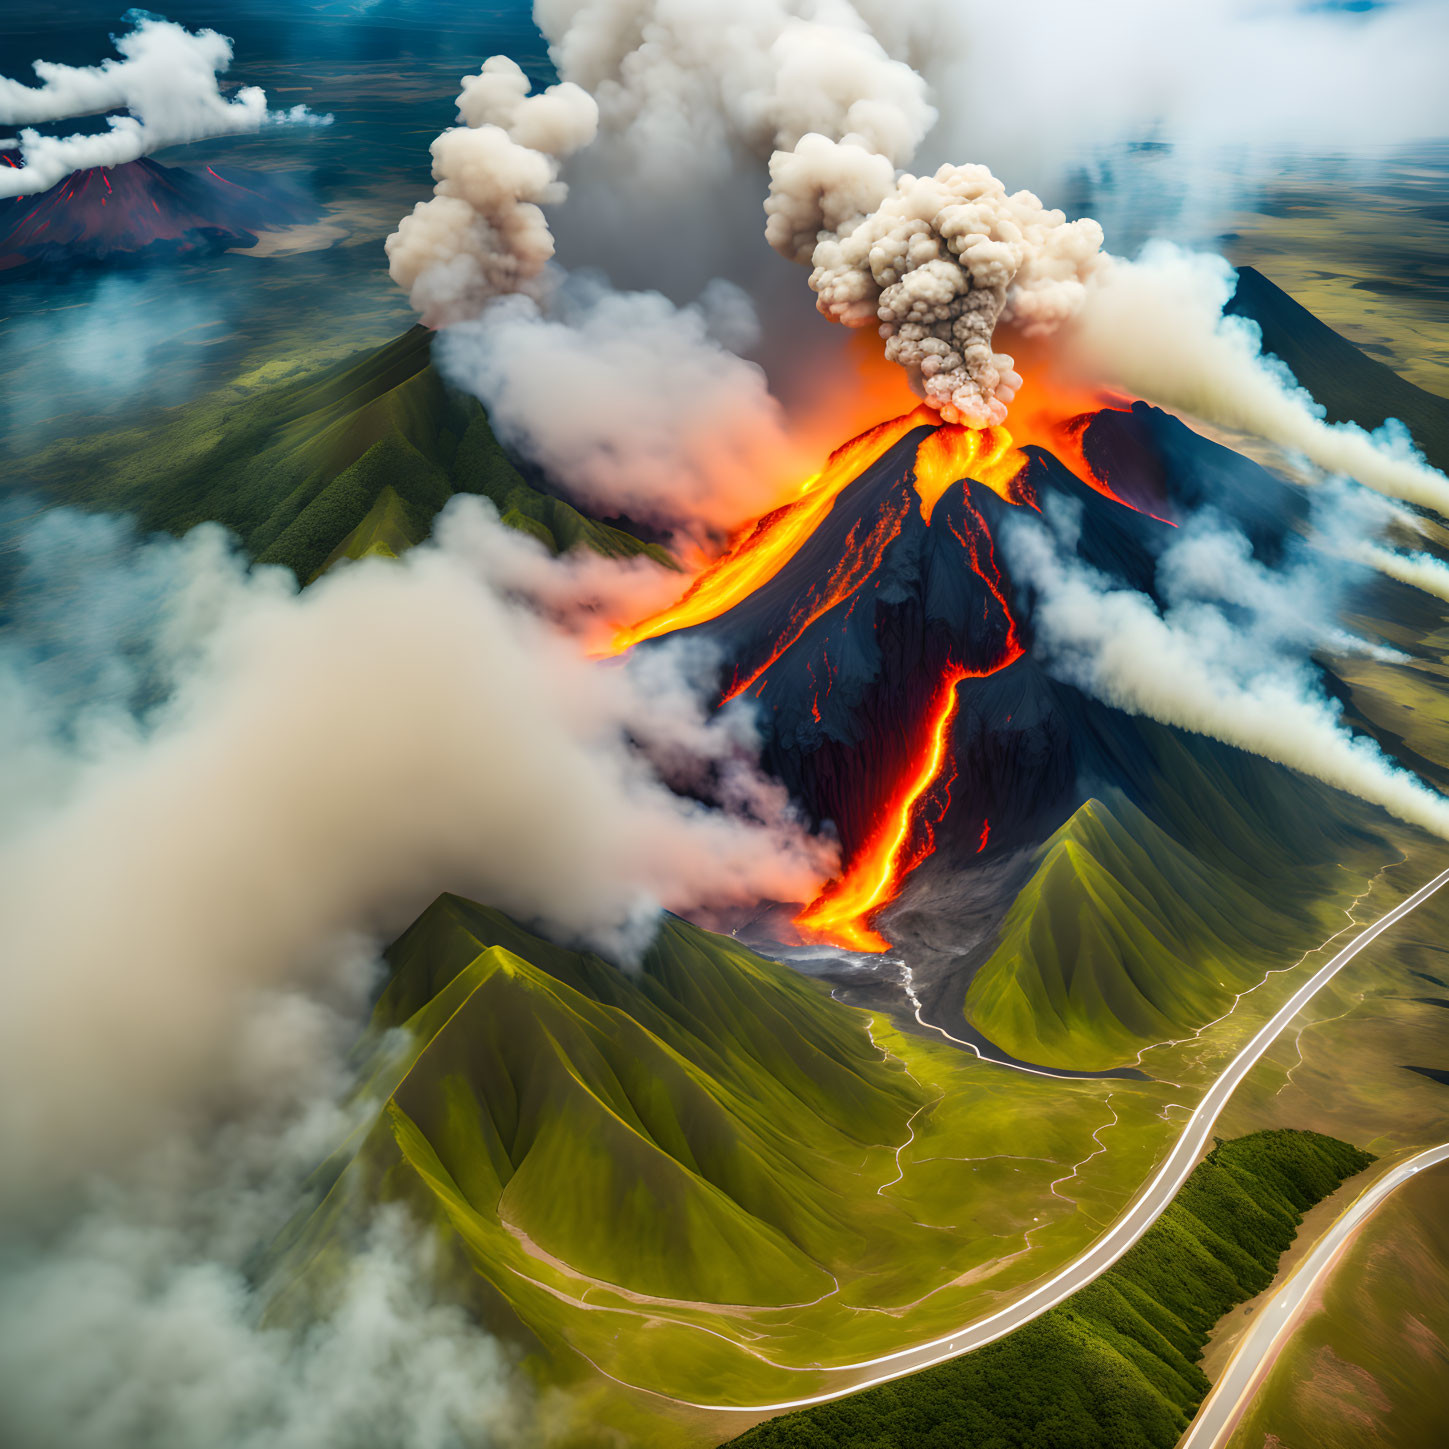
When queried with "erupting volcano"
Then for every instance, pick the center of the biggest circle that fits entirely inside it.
(859, 612)
(142, 211)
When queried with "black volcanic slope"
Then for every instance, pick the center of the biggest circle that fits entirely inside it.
(843, 702)
(1351, 385)
(142, 211)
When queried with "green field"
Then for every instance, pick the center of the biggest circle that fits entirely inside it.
(1369, 1364)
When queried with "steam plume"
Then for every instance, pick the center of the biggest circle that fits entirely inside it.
(483, 234)
(1156, 327)
(166, 82)
(1200, 665)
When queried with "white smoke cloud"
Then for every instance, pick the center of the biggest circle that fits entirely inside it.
(636, 405)
(484, 234)
(166, 84)
(684, 88)
(330, 762)
(1156, 327)
(1223, 657)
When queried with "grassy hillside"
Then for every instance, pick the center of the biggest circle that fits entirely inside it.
(693, 1130)
(1115, 1366)
(1125, 935)
(357, 458)
(694, 1173)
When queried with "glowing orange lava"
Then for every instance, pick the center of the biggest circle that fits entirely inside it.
(841, 913)
(759, 553)
(953, 452)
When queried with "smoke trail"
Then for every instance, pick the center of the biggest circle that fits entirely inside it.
(1156, 327)
(165, 82)
(1224, 657)
(636, 404)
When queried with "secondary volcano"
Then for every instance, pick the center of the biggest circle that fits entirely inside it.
(143, 211)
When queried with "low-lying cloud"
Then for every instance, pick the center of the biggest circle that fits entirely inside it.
(330, 762)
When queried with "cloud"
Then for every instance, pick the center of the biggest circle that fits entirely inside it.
(166, 84)
(329, 762)
(1225, 656)
(1038, 89)
(1156, 327)
(635, 405)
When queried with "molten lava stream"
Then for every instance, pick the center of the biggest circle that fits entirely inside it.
(952, 452)
(756, 556)
(840, 914)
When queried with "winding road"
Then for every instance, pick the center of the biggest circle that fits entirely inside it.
(1249, 1365)
(1143, 1212)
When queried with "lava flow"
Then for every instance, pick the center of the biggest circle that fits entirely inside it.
(841, 913)
(758, 555)
(953, 452)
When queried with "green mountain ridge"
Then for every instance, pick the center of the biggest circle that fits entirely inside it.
(694, 1129)
(357, 458)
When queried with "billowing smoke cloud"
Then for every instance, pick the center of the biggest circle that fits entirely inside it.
(330, 762)
(639, 405)
(135, 1319)
(1225, 656)
(935, 261)
(483, 234)
(1156, 327)
(165, 82)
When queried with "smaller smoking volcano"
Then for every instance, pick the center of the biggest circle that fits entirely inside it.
(142, 212)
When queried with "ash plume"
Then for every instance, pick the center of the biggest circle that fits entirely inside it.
(484, 234)
(164, 91)
(935, 262)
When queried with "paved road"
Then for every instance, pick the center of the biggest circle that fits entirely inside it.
(1254, 1357)
(1140, 1216)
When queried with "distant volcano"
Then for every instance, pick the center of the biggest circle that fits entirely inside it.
(142, 211)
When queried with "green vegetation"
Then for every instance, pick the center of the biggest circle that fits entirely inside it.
(693, 1172)
(1115, 1366)
(357, 458)
(1141, 924)
(1369, 1365)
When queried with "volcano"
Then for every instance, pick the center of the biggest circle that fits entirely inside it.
(141, 212)
(888, 649)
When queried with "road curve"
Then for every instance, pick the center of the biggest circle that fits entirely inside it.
(1138, 1217)
(1249, 1365)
